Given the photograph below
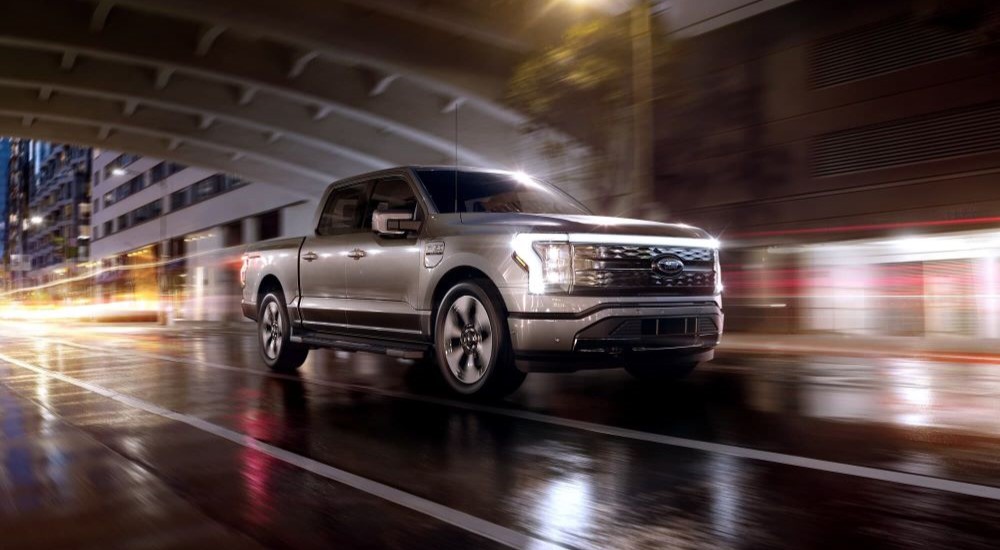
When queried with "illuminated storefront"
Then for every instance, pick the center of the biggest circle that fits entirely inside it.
(945, 285)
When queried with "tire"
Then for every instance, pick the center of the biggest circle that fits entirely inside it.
(472, 341)
(653, 368)
(274, 335)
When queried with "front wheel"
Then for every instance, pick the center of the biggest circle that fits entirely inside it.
(472, 341)
(274, 335)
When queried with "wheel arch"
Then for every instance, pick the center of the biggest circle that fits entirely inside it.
(268, 283)
(451, 278)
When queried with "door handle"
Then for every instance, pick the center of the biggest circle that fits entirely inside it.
(309, 256)
(357, 254)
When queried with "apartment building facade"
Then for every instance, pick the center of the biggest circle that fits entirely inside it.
(166, 231)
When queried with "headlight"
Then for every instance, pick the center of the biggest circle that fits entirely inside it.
(547, 259)
(557, 270)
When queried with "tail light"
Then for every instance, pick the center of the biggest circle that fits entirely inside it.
(243, 271)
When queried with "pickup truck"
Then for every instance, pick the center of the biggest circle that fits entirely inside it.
(492, 274)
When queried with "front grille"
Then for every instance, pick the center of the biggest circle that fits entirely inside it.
(629, 252)
(628, 268)
(664, 326)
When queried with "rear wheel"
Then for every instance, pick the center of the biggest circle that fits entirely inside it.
(652, 368)
(472, 341)
(274, 335)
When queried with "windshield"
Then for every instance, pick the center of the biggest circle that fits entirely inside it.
(500, 192)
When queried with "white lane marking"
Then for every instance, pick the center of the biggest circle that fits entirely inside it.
(878, 474)
(462, 520)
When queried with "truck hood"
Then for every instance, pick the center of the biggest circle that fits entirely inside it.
(565, 223)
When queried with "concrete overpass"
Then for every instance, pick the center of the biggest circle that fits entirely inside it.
(295, 93)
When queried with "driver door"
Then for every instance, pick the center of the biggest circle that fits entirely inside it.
(382, 278)
(324, 257)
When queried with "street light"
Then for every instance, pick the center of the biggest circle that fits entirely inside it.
(36, 220)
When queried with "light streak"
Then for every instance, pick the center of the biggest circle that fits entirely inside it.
(133, 267)
(869, 227)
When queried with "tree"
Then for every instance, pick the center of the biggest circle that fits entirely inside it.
(582, 87)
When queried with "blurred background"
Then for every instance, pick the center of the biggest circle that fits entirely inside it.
(845, 153)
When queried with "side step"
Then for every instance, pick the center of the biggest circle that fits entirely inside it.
(405, 350)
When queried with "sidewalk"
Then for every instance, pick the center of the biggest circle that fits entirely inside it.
(965, 350)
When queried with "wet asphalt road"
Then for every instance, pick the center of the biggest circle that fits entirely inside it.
(137, 437)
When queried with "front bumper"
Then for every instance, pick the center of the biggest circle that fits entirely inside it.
(600, 337)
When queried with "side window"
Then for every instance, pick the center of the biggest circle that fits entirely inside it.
(391, 194)
(343, 211)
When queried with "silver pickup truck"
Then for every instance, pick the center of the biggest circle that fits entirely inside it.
(492, 274)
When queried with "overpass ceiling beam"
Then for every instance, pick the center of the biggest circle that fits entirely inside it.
(406, 115)
(246, 95)
(162, 77)
(206, 37)
(103, 132)
(166, 125)
(409, 113)
(105, 86)
(99, 18)
(381, 83)
(451, 105)
(205, 121)
(321, 111)
(157, 147)
(27, 121)
(68, 60)
(129, 106)
(44, 93)
(124, 83)
(420, 12)
(301, 59)
(333, 30)
(174, 143)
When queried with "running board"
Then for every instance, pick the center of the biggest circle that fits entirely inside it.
(405, 350)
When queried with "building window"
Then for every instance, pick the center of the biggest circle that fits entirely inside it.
(164, 170)
(270, 225)
(147, 212)
(121, 161)
(203, 190)
(232, 234)
(180, 199)
(109, 228)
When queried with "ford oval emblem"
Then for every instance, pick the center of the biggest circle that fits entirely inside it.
(668, 265)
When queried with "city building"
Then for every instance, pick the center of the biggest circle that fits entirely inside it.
(4, 176)
(58, 229)
(18, 217)
(162, 230)
(846, 153)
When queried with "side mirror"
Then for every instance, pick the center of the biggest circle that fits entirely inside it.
(394, 223)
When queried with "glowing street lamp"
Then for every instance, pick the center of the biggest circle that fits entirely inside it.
(36, 220)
